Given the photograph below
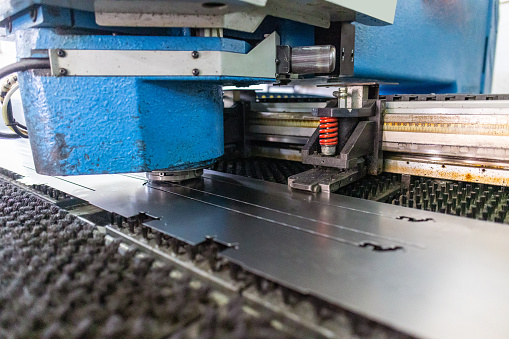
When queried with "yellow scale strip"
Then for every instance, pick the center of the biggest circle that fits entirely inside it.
(448, 128)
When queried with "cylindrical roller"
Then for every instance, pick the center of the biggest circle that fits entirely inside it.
(313, 59)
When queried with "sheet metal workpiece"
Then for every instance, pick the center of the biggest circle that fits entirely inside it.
(426, 274)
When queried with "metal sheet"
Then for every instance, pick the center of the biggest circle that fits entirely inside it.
(449, 279)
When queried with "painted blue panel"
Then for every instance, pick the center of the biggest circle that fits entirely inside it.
(113, 125)
(88, 125)
(43, 39)
(433, 46)
(491, 43)
(46, 17)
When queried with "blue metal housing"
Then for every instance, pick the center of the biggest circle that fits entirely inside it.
(111, 125)
(89, 125)
(433, 46)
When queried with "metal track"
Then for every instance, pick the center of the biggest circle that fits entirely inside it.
(420, 131)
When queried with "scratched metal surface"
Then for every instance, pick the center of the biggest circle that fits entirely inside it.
(448, 279)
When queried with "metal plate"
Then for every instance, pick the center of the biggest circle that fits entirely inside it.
(259, 62)
(449, 280)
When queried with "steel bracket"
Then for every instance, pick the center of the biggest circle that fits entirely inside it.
(326, 179)
(368, 110)
(362, 139)
(283, 60)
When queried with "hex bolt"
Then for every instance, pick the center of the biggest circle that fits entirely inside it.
(61, 53)
(62, 71)
(196, 72)
(195, 54)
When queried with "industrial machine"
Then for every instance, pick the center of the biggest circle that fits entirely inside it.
(158, 195)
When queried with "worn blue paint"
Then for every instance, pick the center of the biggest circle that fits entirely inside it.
(434, 46)
(46, 17)
(112, 125)
(88, 125)
(36, 40)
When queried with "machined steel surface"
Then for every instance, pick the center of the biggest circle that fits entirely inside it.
(313, 59)
(174, 176)
(426, 274)
(325, 179)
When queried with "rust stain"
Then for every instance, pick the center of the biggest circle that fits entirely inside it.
(60, 151)
(447, 174)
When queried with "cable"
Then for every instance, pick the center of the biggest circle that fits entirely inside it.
(7, 114)
(24, 65)
(6, 86)
(20, 66)
(8, 135)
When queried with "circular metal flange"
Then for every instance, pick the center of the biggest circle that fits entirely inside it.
(328, 150)
(174, 176)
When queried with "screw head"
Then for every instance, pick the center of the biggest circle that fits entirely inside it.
(195, 54)
(33, 14)
(62, 71)
(196, 72)
(61, 53)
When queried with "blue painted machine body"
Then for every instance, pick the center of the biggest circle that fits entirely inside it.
(87, 125)
(434, 46)
(112, 125)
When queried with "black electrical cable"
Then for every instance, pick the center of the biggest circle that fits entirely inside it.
(20, 66)
(16, 126)
(9, 135)
(25, 65)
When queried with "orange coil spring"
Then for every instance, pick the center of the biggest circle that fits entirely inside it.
(328, 131)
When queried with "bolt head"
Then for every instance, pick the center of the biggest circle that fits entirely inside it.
(62, 71)
(61, 53)
(195, 54)
(33, 14)
(196, 72)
